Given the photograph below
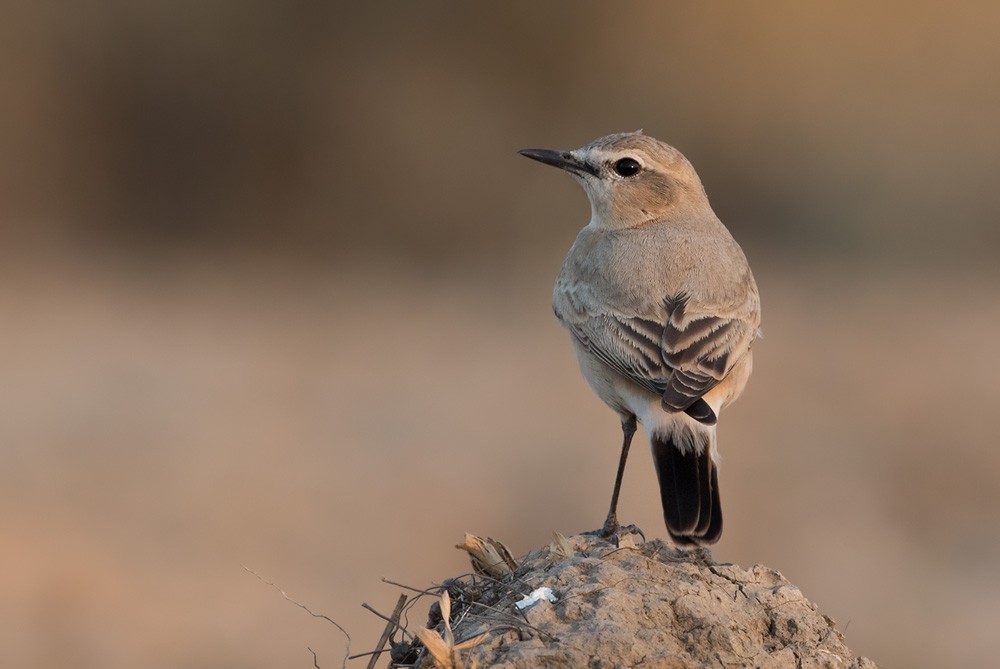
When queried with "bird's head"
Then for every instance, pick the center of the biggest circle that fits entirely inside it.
(630, 178)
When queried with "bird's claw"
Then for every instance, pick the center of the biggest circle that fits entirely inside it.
(613, 531)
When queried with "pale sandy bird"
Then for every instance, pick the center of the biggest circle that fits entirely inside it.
(663, 310)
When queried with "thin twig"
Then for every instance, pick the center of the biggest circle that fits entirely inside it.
(389, 629)
(389, 620)
(502, 616)
(409, 587)
(305, 608)
(506, 620)
(498, 581)
(618, 550)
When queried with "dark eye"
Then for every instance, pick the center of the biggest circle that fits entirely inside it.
(627, 167)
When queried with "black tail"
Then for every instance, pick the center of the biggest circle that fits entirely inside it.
(689, 488)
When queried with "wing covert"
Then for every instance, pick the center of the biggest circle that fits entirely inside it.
(680, 356)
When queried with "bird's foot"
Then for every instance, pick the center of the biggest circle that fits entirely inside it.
(613, 531)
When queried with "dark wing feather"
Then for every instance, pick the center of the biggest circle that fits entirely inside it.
(680, 358)
(699, 348)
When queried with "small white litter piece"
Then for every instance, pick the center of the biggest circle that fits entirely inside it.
(536, 596)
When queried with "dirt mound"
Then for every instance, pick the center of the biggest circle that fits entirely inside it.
(638, 605)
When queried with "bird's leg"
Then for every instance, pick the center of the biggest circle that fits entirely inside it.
(611, 527)
(628, 431)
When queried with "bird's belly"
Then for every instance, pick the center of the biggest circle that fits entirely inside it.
(622, 395)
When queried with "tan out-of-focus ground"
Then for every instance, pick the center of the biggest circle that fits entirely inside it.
(326, 429)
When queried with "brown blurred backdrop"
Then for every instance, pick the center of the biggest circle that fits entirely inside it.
(275, 292)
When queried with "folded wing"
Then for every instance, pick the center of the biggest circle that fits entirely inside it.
(680, 353)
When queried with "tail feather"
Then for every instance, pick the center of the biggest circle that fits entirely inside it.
(681, 478)
(702, 412)
(689, 487)
(709, 493)
(714, 530)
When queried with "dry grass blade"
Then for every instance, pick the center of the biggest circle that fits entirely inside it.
(561, 546)
(488, 556)
(449, 638)
(442, 647)
(442, 653)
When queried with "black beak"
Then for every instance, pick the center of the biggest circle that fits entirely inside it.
(561, 159)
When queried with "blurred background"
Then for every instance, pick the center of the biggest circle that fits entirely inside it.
(275, 292)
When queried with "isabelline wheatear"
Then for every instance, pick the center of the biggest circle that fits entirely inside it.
(663, 310)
